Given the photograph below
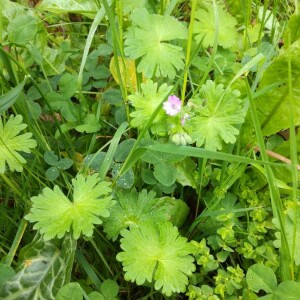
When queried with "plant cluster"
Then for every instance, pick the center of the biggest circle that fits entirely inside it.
(149, 149)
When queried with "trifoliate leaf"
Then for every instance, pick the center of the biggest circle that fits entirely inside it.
(205, 27)
(216, 112)
(11, 143)
(55, 213)
(133, 209)
(156, 252)
(148, 38)
(146, 102)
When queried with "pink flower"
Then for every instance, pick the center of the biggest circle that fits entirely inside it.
(172, 106)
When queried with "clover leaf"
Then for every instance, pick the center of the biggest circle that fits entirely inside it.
(146, 102)
(217, 110)
(54, 213)
(156, 252)
(11, 143)
(148, 38)
(205, 27)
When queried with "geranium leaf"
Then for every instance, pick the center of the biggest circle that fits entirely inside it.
(217, 111)
(132, 209)
(11, 143)
(146, 102)
(205, 27)
(156, 252)
(55, 214)
(148, 38)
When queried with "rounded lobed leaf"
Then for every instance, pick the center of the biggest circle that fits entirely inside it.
(54, 213)
(156, 252)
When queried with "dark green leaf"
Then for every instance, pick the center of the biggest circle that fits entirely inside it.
(7, 100)
(52, 173)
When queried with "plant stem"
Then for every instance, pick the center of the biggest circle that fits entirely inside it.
(188, 50)
(18, 237)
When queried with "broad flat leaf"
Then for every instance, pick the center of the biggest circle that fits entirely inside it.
(53, 160)
(71, 291)
(156, 252)
(109, 289)
(130, 77)
(126, 180)
(87, 8)
(55, 214)
(287, 290)
(294, 247)
(260, 277)
(90, 124)
(205, 28)
(217, 111)
(11, 143)
(22, 29)
(68, 85)
(293, 29)
(6, 272)
(148, 38)
(7, 100)
(130, 5)
(165, 173)
(45, 268)
(147, 101)
(133, 209)
(274, 108)
(52, 173)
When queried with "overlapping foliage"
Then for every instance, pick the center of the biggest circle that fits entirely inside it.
(156, 146)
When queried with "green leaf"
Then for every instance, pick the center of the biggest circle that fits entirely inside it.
(292, 232)
(90, 124)
(293, 29)
(217, 112)
(165, 173)
(53, 160)
(68, 85)
(287, 290)
(146, 102)
(22, 30)
(156, 252)
(205, 27)
(6, 273)
(126, 180)
(148, 38)
(7, 100)
(87, 8)
(273, 108)
(44, 269)
(52, 173)
(123, 150)
(71, 291)
(96, 296)
(11, 143)
(109, 289)
(133, 209)
(55, 214)
(261, 277)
